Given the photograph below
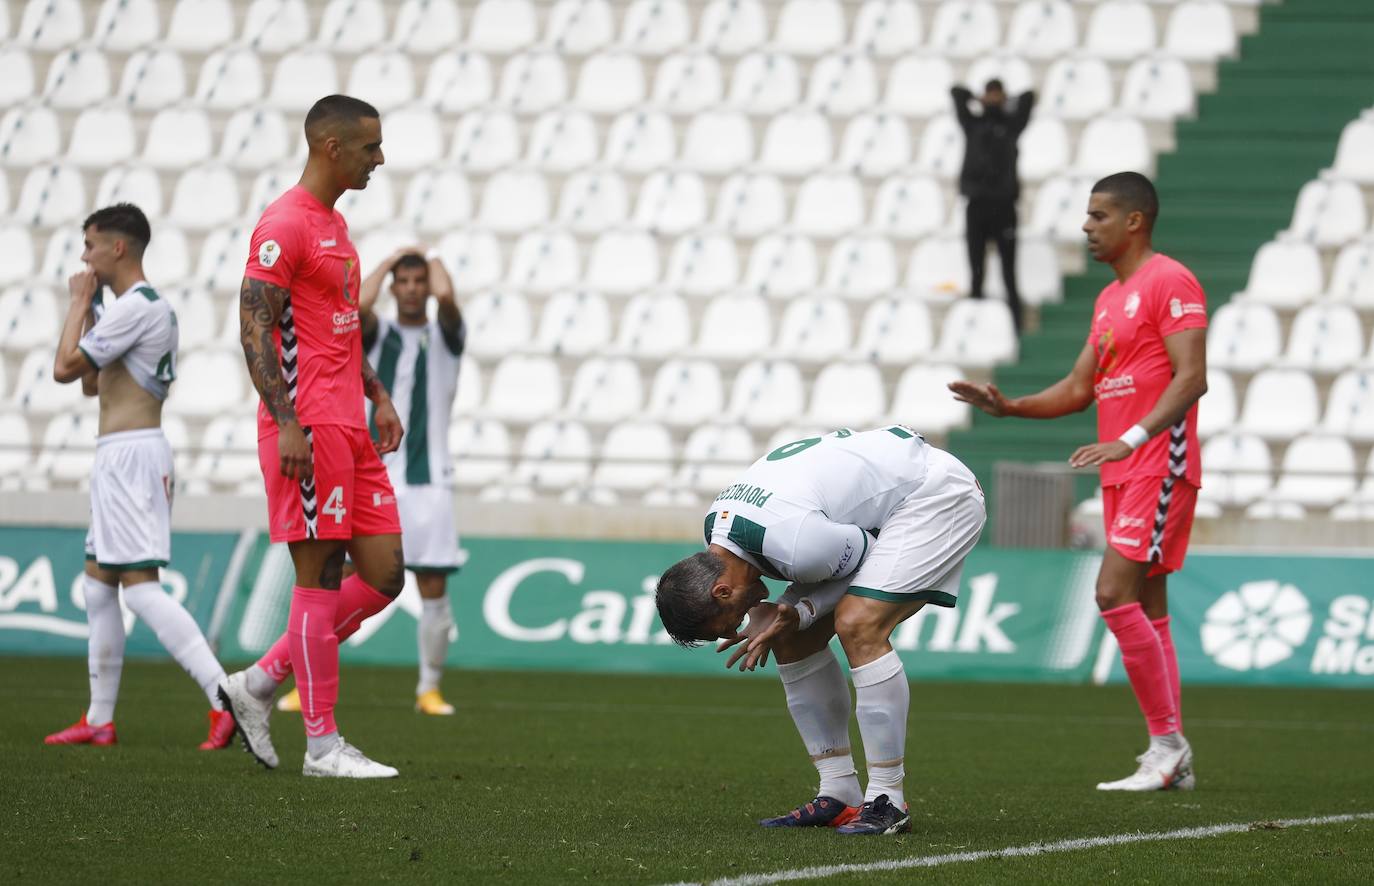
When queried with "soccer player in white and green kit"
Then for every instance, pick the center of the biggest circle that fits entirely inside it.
(868, 527)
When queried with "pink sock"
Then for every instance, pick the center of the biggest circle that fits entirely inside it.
(1166, 642)
(358, 601)
(315, 653)
(1143, 656)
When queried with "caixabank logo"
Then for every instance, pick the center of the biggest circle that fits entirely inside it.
(1263, 623)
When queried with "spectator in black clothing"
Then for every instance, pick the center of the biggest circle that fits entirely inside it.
(989, 181)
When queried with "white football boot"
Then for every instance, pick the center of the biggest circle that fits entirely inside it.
(1162, 768)
(346, 761)
(251, 713)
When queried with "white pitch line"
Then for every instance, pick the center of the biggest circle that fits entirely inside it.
(930, 861)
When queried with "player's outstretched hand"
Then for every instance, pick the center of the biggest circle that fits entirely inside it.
(1099, 453)
(389, 429)
(985, 396)
(293, 449)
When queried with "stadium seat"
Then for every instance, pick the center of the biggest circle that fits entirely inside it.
(965, 28)
(861, 267)
(28, 136)
(473, 259)
(1355, 150)
(1352, 279)
(908, 207)
(750, 205)
(605, 390)
(1217, 408)
(1318, 471)
(847, 395)
(635, 456)
(481, 451)
(941, 152)
(468, 398)
(1200, 31)
(524, 389)
(713, 457)
(814, 329)
(732, 27)
(1279, 404)
(29, 318)
(168, 259)
(555, 455)
(1329, 213)
(35, 390)
(688, 83)
(896, 331)
(782, 265)
(208, 383)
(1350, 406)
(875, 145)
(1324, 338)
(610, 83)
(374, 246)
(562, 141)
(1120, 30)
(623, 262)
(196, 314)
(656, 27)
(1243, 336)
(765, 83)
(766, 394)
(514, 201)
(533, 82)
(1158, 88)
(222, 257)
(886, 28)
(1044, 150)
(229, 79)
(1061, 205)
(1013, 70)
(152, 79)
(131, 184)
(436, 201)
(1237, 470)
(827, 205)
(809, 27)
(177, 138)
(1111, 144)
(923, 400)
(544, 261)
(62, 257)
(843, 84)
(918, 86)
(654, 324)
(717, 142)
(574, 323)
(255, 139)
(50, 24)
(1285, 273)
(15, 443)
(101, 136)
(734, 326)
(200, 25)
(299, 79)
(16, 252)
(52, 195)
(939, 268)
(384, 79)
(426, 26)
(77, 78)
(16, 76)
(1042, 29)
(275, 26)
(498, 323)
(349, 27)
(1038, 278)
(1076, 88)
(592, 202)
(702, 263)
(796, 143)
(205, 197)
(671, 202)
(458, 81)
(502, 26)
(640, 141)
(978, 332)
(686, 393)
(68, 449)
(228, 452)
(485, 140)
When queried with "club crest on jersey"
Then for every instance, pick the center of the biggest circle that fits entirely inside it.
(268, 253)
(1132, 304)
(350, 289)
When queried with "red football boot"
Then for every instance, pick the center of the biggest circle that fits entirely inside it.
(222, 729)
(82, 732)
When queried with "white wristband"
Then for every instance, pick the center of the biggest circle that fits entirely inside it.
(1134, 437)
(806, 614)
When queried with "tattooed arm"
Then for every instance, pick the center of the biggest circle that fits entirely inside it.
(260, 309)
(384, 416)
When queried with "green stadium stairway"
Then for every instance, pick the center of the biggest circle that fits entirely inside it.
(1227, 188)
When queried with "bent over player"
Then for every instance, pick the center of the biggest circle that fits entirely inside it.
(128, 356)
(327, 489)
(868, 527)
(1145, 364)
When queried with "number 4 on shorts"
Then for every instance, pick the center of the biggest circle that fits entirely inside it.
(333, 504)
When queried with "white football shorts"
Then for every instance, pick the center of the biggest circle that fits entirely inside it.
(428, 537)
(131, 501)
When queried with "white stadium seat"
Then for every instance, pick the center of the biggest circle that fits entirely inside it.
(562, 141)
(938, 268)
(654, 324)
(827, 205)
(765, 83)
(886, 28)
(1352, 279)
(908, 207)
(732, 27)
(606, 391)
(1329, 212)
(1218, 407)
(468, 398)
(16, 252)
(636, 456)
(28, 136)
(1158, 88)
(514, 201)
(62, 256)
(766, 394)
(351, 26)
(1038, 278)
(1355, 151)
(750, 205)
(1044, 150)
(15, 442)
(1237, 469)
(1350, 406)
(918, 86)
(782, 265)
(1285, 273)
(473, 259)
(1061, 205)
(861, 266)
(814, 329)
(555, 455)
(978, 332)
(300, 77)
(196, 314)
(1077, 88)
(544, 261)
(847, 395)
(208, 383)
(796, 143)
(16, 76)
(498, 323)
(481, 451)
(177, 138)
(1120, 30)
(1200, 31)
(703, 263)
(686, 393)
(222, 257)
(485, 140)
(230, 78)
(35, 390)
(965, 28)
(1042, 29)
(1324, 338)
(255, 139)
(923, 400)
(374, 246)
(228, 452)
(50, 24)
(275, 25)
(656, 27)
(1243, 336)
(52, 195)
(426, 26)
(435, 201)
(592, 202)
(1279, 404)
(205, 197)
(688, 83)
(610, 83)
(384, 79)
(458, 81)
(875, 144)
(733, 326)
(713, 456)
(809, 27)
(524, 389)
(1318, 471)
(574, 323)
(843, 84)
(152, 79)
(640, 141)
(200, 25)
(941, 153)
(533, 82)
(28, 318)
(896, 331)
(1111, 144)
(101, 136)
(68, 447)
(168, 258)
(623, 262)
(131, 184)
(717, 142)
(671, 202)
(77, 77)
(502, 26)
(270, 184)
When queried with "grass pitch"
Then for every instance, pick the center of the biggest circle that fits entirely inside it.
(561, 778)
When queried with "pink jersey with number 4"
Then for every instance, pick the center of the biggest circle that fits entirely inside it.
(1130, 322)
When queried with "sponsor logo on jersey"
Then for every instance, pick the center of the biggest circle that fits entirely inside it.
(326, 244)
(1132, 304)
(1125, 540)
(1115, 386)
(268, 253)
(1177, 308)
(345, 322)
(1130, 522)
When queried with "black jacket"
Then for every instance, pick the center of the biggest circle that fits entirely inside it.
(989, 171)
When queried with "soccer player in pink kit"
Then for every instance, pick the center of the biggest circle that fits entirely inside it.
(1145, 364)
(327, 489)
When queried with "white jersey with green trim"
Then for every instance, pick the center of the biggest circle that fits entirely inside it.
(419, 368)
(805, 511)
(139, 329)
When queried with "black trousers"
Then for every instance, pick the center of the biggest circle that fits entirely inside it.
(993, 219)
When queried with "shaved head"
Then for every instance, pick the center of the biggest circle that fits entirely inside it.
(336, 116)
(1133, 192)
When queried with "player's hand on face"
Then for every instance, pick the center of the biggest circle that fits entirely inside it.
(293, 449)
(760, 617)
(1099, 453)
(784, 622)
(83, 285)
(389, 430)
(985, 396)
